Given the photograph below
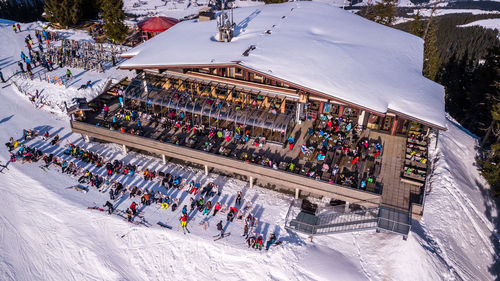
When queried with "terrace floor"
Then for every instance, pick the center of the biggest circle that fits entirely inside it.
(395, 193)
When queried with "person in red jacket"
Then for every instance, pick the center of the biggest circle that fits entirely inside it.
(133, 207)
(216, 208)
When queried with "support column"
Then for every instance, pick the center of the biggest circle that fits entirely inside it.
(251, 181)
(164, 159)
(394, 126)
(86, 138)
(341, 110)
(346, 209)
(297, 193)
(206, 170)
(145, 83)
(125, 149)
(361, 119)
(321, 107)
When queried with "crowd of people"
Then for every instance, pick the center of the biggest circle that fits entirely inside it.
(97, 171)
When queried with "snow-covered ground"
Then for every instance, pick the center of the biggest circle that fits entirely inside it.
(487, 23)
(47, 232)
(440, 12)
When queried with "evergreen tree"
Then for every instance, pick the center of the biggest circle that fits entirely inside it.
(63, 12)
(490, 168)
(113, 16)
(417, 26)
(431, 54)
(385, 12)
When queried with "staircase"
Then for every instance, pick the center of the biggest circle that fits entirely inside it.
(338, 219)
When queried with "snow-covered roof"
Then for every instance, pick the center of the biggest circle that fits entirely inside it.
(315, 45)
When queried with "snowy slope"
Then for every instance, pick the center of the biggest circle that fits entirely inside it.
(47, 233)
(53, 94)
(487, 23)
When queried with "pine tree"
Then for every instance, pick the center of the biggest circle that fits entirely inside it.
(385, 12)
(63, 12)
(113, 16)
(417, 26)
(490, 168)
(431, 54)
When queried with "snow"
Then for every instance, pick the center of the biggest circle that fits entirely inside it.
(487, 23)
(53, 95)
(440, 12)
(314, 45)
(48, 233)
(177, 9)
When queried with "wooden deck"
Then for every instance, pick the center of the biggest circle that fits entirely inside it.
(258, 172)
(396, 193)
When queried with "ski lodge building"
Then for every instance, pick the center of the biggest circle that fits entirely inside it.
(307, 83)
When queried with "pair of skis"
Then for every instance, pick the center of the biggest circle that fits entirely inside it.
(222, 236)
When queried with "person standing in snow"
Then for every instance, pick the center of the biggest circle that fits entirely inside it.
(183, 220)
(111, 194)
(128, 213)
(20, 64)
(110, 207)
(19, 27)
(238, 198)
(133, 207)
(14, 28)
(220, 228)
(68, 73)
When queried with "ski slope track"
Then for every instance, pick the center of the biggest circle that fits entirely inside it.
(47, 232)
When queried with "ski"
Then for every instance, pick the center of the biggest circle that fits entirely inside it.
(225, 235)
(96, 208)
(164, 225)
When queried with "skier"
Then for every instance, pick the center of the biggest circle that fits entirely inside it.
(68, 73)
(110, 207)
(183, 219)
(238, 198)
(184, 210)
(221, 229)
(45, 136)
(129, 215)
(14, 28)
(271, 241)
(133, 208)
(111, 194)
(19, 27)
(20, 64)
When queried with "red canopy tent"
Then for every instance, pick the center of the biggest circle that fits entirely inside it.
(150, 27)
